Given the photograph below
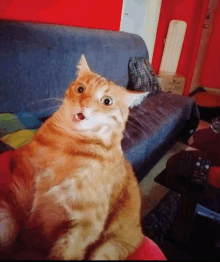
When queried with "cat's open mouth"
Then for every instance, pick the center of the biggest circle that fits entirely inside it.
(78, 117)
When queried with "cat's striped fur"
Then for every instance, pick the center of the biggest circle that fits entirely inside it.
(73, 192)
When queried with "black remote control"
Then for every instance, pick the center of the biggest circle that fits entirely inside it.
(185, 165)
(191, 166)
(201, 171)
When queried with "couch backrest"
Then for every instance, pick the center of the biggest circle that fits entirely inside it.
(38, 61)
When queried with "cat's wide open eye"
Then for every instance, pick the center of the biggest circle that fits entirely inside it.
(107, 101)
(80, 89)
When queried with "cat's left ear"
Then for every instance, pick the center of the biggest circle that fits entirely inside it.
(83, 66)
(133, 98)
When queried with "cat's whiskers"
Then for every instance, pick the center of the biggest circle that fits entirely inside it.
(128, 137)
(41, 110)
(136, 126)
(143, 110)
(59, 127)
(139, 121)
(122, 84)
(59, 120)
(119, 84)
(143, 113)
(46, 99)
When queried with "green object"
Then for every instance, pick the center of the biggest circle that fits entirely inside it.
(9, 123)
(18, 138)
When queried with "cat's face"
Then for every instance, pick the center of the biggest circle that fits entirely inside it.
(95, 104)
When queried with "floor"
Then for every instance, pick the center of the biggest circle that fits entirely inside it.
(153, 193)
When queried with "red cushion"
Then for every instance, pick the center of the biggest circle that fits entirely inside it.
(214, 176)
(5, 176)
(147, 251)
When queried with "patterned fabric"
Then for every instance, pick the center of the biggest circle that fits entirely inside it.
(142, 76)
(17, 129)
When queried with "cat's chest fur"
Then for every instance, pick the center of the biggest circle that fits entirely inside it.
(84, 187)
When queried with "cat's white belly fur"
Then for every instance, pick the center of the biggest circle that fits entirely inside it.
(74, 190)
(96, 197)
(68, 192)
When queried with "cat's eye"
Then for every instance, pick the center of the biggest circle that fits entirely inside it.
(107, 101)
(80, 89)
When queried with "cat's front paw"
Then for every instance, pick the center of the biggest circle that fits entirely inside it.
(65, 252)
(106, 252)
(101, 256)
(63, 256)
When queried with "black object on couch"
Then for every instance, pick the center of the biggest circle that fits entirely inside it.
(38, 62)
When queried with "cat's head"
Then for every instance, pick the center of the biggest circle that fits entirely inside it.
(94, 104)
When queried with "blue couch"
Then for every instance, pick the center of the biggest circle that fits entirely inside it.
(38, 62)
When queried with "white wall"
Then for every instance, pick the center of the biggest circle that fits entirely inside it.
(141, 17)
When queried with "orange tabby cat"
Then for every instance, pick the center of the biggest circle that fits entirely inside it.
(73, 191)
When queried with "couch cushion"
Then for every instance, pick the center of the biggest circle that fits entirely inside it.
(17, 130)
(39, 61)
(9, 123)
(19, 138)
(29, 120)
(152, 127)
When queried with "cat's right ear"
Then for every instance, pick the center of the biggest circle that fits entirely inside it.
(133, 98)
(83, 66)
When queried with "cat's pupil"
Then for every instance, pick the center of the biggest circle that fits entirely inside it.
(80, 89)
(107, 101)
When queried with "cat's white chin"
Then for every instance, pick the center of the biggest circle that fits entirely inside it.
(89, 125)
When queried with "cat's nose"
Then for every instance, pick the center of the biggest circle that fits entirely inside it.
(80, 116)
